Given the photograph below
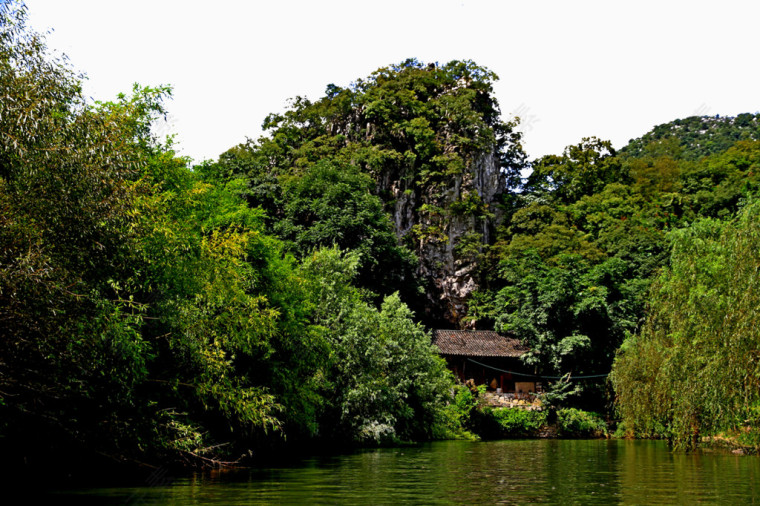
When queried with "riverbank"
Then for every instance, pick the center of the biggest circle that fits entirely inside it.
(729, 442)
(518, 423)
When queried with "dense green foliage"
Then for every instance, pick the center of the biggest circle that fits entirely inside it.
(573, 422)
(513, 423)
(571, 267)
(325, 204)
(694, 369)
(481, 420)
(385, 379)
(152, 311)
(494, 423)
(589, 233)
(148, 316)
(414, 123)
(695, 137)
(406, 141)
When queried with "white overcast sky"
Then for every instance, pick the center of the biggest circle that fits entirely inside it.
(570, 69)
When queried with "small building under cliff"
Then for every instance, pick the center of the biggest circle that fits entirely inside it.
(488, 358)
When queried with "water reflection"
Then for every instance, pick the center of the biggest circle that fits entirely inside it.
(651, 475)
(500, 472)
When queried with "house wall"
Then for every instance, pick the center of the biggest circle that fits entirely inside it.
(465, 370)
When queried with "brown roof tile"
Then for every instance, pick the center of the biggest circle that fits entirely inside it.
(477, 343)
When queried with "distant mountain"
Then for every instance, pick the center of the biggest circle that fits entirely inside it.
(695, 137)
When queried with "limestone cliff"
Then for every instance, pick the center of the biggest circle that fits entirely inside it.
(432, 139)
(449, 229)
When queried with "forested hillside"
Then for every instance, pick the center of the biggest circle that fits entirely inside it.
(427, 142)
(592, 228)
(692, 368)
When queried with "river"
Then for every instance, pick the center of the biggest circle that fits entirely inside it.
(458, 472)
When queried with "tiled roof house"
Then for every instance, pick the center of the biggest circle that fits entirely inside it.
(477, 343)
(486, 357)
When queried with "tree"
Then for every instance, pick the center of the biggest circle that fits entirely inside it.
(693, 369)
(695, 137)
(71, 350)
(583, 169)
(144, 313)
(331, 204)
(386, 380)
(431, 140)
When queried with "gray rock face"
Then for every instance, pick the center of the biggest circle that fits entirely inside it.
(448, 241)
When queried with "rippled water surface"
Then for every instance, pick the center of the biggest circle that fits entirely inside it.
(455, 472)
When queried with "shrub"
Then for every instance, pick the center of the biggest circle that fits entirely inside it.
(509, 422)
(573, 422)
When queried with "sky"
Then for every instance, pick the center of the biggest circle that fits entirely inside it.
(569, 69)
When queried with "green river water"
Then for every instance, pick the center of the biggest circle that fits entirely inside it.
(457, 472)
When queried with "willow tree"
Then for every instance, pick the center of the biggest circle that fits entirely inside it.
(694, 369)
